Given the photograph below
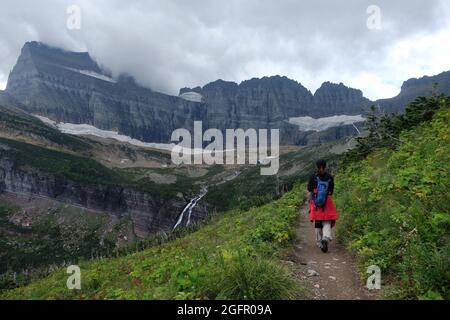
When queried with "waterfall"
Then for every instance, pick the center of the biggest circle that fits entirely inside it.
(189, 208)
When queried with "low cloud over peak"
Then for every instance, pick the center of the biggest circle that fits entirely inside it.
(167, 45)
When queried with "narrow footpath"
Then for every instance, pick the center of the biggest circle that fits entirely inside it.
(328, 276)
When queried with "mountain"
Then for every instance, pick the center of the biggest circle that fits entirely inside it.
(335, 99)
(65, 197)
(413, 88)
(71, 87)
(406, 236)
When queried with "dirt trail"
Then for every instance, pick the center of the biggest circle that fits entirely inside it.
(329, 276)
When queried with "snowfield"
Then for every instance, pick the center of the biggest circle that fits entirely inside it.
(93, 74)
(88, 130)
(322, 124)
(192, 96)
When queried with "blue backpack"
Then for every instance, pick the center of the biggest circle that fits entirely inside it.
(322, 193)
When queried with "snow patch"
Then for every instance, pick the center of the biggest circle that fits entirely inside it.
(322, 124)
(93, 74)
(88, 130)
(192, 96)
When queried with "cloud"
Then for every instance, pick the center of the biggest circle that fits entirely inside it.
(171, 44)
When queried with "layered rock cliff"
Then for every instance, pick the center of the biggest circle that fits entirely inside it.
(71, 87)
(149, 212)
(413, 88)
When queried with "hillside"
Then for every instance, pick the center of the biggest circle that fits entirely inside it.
(234, 256)
(64, 198)
(396, 213)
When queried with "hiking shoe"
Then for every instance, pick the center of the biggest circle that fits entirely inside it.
(324, 246)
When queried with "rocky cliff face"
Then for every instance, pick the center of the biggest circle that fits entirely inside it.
(71, 87)
(270, 101)
(148, 213)
(413, 88)
(333, 99)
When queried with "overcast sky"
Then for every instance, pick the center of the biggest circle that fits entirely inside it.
(168, 44)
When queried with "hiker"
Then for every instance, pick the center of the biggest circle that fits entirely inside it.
(322, 211)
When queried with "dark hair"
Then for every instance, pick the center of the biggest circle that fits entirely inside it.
(321, 164)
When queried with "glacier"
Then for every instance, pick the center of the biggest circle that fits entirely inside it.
(86, 129)
(322, 124)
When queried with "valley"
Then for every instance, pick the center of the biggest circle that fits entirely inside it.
(87, 177)
(59, 189)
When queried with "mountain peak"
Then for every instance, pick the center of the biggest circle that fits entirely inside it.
(443, 77)
(331, 87)
(220, 84)
(44, 54)
(275, 80)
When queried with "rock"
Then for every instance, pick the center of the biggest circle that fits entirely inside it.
(71, 87)
(333, 98)
(413, 88)
(149, 212)
(312, 273)
(332, 278)
(317, 286)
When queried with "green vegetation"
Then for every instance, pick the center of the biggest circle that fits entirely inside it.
(31, 126)
(394, 203)
(138, 177)
(250, 188)
(235, 256)
(384, 130)
(59, 235)
(88, 171)
(76, 168)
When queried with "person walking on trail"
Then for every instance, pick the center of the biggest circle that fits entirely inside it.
(322, 211)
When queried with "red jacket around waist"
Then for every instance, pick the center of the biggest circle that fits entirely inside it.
(327, 213)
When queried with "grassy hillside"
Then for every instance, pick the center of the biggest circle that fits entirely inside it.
(24, 126)
(233, 257)
(57, 234)
(86, 170)
(395, 207)
(250, 188)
